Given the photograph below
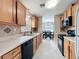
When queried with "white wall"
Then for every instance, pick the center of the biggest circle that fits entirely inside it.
(48, 22)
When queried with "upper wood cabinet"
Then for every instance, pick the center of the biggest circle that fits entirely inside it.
(12, 11)
(21, 14)
(34, 22)
(74, 7)
(69, 11)
(7, 10)
(65, 14)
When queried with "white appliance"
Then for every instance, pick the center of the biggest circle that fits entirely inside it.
(77, 35)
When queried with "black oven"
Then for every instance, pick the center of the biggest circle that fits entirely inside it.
(61, 44)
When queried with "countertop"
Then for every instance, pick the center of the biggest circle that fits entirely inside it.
(9, 43)
(72, 39)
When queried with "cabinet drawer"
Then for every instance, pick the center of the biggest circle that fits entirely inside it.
(18, 56)
(16, 51)
(13, 53)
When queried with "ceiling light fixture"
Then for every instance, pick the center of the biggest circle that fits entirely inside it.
(51, 3)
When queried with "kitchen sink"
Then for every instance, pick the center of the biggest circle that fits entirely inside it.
(29, 34)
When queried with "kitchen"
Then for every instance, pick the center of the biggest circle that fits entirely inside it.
(21, 28)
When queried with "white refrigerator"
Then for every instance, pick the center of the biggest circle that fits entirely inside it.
(77, 36)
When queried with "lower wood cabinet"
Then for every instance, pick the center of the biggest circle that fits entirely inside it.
(56, 39)
(36, 42)
(34, 45)
(14, 54)
(66, 48)
(72, 51)
(69, 49)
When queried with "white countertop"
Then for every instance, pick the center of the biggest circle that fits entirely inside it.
(13, 42)
(73, 39)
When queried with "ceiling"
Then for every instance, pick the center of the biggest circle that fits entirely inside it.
(35, 9)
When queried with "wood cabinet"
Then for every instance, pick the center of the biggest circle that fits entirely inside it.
(34, 45)
(34, 21)
(56, 39)
(14, 54)
(57, 29)
(6, 11)
(69, 11)
(12, 12)
(21, 14)
(66, 48)
(65, 14)
(69, 49)
(74, 7)
(36, 42)
(72, 51)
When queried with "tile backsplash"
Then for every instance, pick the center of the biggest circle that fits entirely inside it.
(7, 30)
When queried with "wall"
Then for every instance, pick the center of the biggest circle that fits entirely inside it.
(48, 22)
(8, 30)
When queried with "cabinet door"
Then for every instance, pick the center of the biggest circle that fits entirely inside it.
(14, 54)
(56, 39)
(34, 46)
(6, 11)
(38, 41)
(72, 50)
(8, 56)
(69, 11)
(14, 11)
(18, 56)
(34, 22)
(73, 15)
(66, 48)
(21, 14)
(65, 14)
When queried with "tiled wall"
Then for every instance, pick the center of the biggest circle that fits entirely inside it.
(7, 30)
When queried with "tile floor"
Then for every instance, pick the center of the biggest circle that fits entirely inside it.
(48, 50)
